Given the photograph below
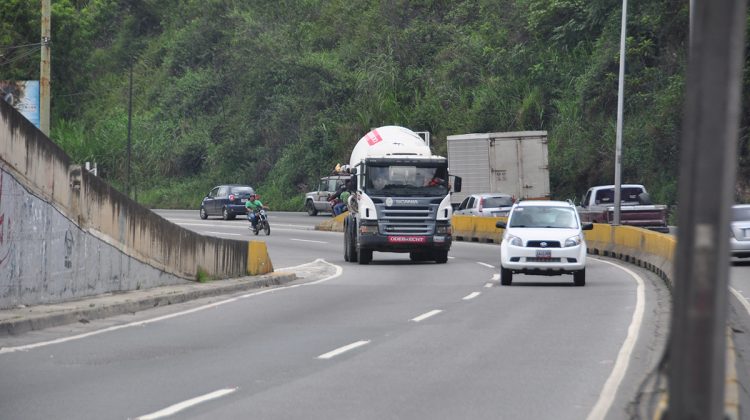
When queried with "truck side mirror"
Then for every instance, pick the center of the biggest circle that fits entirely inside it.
(644, 198)
(353, 182)
(457, 184)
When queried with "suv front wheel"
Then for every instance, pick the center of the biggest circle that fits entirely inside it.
(506, 276)
(579, 277)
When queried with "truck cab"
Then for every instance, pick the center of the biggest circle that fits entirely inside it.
(636, 209)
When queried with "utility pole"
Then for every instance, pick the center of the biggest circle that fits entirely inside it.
(620, 100)
(130, 117)
(708, 160)
(45, 89)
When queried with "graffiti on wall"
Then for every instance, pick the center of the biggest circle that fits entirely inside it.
(5, 232)
(69, 242)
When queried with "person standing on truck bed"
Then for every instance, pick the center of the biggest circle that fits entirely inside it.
(344, 198)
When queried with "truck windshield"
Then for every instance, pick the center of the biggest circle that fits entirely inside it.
(628, 195)
(407, 181)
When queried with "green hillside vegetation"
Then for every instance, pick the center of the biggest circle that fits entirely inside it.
(275, 93)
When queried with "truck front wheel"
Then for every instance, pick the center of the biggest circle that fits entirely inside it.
(350, 249)
(440, 257)
(310, 207)
(364, 256)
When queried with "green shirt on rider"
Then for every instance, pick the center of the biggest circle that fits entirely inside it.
(253, 204)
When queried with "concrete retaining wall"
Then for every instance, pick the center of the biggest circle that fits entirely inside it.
(63, 231)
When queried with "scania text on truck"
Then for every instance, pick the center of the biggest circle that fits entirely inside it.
(514, 163)
(402, 201)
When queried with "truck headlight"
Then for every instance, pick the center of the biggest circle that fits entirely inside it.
(443, 230)
(366, 228)
(573, 241)
(514, 240)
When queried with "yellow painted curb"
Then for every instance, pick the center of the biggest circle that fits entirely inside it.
(334, 224)
(258, 261)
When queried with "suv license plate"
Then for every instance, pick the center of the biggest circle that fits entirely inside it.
(543, 253)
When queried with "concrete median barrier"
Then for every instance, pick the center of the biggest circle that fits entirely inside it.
(258, 261)
(477, 229)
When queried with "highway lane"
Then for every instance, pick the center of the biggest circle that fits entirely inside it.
(388, 340)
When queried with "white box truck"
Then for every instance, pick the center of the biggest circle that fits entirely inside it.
(514, 163)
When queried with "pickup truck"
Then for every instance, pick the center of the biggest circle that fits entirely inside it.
(597, 206)
(317, 201)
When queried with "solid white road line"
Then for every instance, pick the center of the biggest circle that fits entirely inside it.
(339, 270)
(471, 296)
(426, 315)
(174, 409)
(741, 298)
(307, 240)
(486, 265)
(607, 396)
(224, 233)
(344, 349)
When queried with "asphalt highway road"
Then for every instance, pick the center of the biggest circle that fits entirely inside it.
(389, 340)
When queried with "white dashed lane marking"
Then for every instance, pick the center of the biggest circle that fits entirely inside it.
(426, 315)
(344, 349)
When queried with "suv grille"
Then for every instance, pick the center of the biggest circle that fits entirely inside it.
(406, 220)
(538, 244)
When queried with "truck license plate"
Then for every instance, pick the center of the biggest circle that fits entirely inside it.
(543, 253)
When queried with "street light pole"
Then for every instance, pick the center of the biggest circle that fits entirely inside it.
(708, 161)
(620, 94)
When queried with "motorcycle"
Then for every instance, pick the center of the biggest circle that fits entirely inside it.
(262, 223)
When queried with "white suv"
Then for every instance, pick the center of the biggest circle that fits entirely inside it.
(543, 238)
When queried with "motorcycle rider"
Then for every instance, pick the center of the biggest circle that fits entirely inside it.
(253, 206)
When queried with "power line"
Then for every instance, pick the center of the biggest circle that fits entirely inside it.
(21, 56)
(13, 47)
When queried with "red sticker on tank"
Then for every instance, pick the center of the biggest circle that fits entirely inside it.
(373, 137)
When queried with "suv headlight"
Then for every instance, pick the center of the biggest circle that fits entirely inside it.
(514, 240)
(573, 241)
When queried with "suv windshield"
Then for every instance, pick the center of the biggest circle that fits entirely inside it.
(543, 217)
(404, 180)
(740, 214)
(497, 202)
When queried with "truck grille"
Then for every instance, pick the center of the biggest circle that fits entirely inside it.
(406, 221)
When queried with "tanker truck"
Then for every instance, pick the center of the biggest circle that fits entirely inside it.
(401, 201)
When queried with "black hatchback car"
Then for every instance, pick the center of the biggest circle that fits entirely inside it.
(226, 201)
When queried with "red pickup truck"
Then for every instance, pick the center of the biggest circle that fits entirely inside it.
(636, 209)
